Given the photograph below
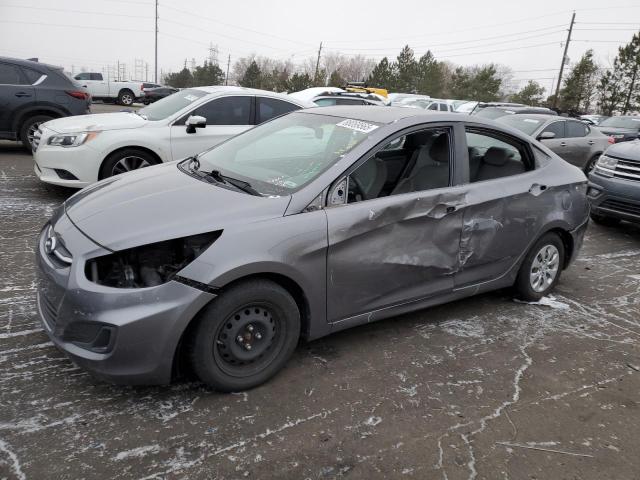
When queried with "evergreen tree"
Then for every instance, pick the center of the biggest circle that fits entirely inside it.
(252, 78)
(181, 79)
(610, 90)
(208, 74)
(383, 76)
(479, 83)
(531, 94)
(407, 71)
(430, 76)
(336, 80)
(580, 85)
(629, 61)
(299, 82)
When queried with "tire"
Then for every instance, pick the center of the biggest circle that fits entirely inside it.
(126, 98)
(546, 257)
(28, 128)
(257, 313)
(126, 160)
(604, 220)
(590, 164)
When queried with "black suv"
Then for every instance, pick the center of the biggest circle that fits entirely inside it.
(32, 93)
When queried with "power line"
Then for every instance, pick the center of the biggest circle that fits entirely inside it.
(48, 24)
(82, 12)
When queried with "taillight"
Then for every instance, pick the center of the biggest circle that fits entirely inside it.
(611, 140)
(77, 94)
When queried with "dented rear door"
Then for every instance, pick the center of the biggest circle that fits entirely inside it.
(392, 250)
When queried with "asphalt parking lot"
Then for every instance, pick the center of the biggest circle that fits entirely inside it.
(481, 388)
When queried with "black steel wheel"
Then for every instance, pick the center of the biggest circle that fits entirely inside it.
(245, 336)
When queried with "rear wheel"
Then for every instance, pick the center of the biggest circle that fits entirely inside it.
(604, 220)
(126, 98)
(245, 336)
(29, 129)
(126, 160)
(540, 270)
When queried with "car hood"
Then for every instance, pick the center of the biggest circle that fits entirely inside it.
(625, 150)
(160, 203)
(96, 122)
(611, 130)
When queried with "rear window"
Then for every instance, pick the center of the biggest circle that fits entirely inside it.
(523, 123)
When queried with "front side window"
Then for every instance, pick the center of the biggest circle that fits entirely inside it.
(281, 156)
(226, 111)
(167, 106)
(95, 76)
(426, 166)
(433, 106)
(576, 129)
(557, 128)
(269, 108)
(10, 75)
(493, 156)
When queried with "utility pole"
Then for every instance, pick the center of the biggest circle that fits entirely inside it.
(315, 77)
(155, 77)
(564, 60)
(226, 78)
(118, 63)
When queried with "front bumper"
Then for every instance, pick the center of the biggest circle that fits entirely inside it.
(614, 197)
(127, 336)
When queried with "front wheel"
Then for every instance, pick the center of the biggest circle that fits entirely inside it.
(540, 270)
(245, 336)
(126, 160)
(590, 165)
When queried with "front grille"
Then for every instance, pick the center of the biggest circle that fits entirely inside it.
(626, 169)
(621, 206)
(36, 139)
(49, 311)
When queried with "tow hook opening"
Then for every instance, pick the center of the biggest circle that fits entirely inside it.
(148, 265)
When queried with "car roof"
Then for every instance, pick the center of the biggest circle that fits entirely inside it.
(382, 114)
(540, 116)
(228, 89)
(30, 63)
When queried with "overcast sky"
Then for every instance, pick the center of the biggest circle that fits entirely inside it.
(526, 36)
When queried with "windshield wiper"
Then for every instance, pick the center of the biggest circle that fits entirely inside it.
(239, 184)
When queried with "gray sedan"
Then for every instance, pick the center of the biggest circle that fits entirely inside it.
(314, 222)
(573, 140)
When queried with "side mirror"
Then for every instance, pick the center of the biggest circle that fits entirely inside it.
(546, 136)
(338, 194)
(195, 121)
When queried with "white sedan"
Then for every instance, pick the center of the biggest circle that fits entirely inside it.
(77, 151)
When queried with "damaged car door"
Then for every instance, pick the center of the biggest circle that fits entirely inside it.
(505, 205)
(393, 235)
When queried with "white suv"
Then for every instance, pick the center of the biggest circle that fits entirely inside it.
(77, 151)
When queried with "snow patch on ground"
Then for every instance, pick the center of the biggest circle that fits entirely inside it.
(548, 301)
(137, 452)
(463, 328)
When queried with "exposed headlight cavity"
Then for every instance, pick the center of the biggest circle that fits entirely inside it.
(71, 139)
(148, 265)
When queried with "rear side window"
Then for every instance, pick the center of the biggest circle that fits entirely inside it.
(576, 129)
(557, 128)
(32, 75)
(269, 108)
(494, 156)
(226, 111)
(10, 75)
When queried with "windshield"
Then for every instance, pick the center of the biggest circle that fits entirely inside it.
(171, 104)
(281, 156)
(523, 123)
(621, 122)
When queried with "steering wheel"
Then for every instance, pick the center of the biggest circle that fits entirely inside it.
(359, 189)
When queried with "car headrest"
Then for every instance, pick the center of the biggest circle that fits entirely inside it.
(419, 139)
(496, 156)
(439, 151)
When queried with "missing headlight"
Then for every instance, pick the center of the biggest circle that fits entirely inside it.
(148, 265)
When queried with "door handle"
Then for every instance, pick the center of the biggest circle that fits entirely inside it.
(563, 144)
(591, 142)
(23, 94)
(450, 208)
(536, 189)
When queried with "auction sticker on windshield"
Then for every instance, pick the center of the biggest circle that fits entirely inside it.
(357, 125)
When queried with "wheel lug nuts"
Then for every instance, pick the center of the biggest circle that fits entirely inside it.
(247, 346)
(250, 327)
(258, 336)
(239, 338)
